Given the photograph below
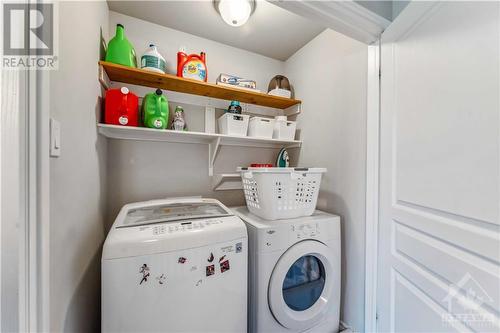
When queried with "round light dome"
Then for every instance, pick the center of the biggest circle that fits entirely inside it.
(235, 12)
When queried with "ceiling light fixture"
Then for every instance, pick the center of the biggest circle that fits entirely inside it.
(235, 12)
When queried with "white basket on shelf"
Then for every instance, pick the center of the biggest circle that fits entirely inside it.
(260, 127)
(281, 193)
(233, 124)
(284, 129)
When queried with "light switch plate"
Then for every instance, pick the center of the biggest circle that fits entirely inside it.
(55, 138)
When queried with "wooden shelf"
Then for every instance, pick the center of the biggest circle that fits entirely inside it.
(141, 77)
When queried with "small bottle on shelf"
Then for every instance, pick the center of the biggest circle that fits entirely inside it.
(179, 122)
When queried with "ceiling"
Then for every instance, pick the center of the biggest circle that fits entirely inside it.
(270, 31)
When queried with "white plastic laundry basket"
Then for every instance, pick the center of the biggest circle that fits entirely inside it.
(281, 193)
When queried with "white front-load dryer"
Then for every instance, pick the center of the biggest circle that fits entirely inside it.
(294, 273)
(175, 265)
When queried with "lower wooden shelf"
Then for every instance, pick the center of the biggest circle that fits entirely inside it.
(213, 140)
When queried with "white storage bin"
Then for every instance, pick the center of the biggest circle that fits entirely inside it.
(284, 129)
(261, 127)
(233, 124)
(281, 193)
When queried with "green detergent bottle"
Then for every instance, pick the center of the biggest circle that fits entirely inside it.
(155, 110)
(120, 50)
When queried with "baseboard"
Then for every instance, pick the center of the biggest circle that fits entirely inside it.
(344, 328)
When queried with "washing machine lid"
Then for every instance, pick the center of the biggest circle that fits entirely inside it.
(169, 210)
(169, 225)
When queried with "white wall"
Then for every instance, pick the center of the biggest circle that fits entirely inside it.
(381, 8)
(387, 9)
(397, 8)
(221, 58)
(140, 171)
(77, 178)
(329, 74)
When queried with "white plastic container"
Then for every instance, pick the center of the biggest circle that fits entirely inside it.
(281, 193)
(260, 127)
(233, 124)
(281, 93)
(284, 129)
(152, 60)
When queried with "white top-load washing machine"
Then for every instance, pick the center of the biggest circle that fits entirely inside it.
(294, 273)
(175, 265)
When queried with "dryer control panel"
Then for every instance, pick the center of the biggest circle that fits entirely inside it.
(305, 230)
(283, 235)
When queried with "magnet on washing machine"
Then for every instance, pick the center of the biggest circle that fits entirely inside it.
(210, 270)
(144, 270)
(161, 279)
(224, 266)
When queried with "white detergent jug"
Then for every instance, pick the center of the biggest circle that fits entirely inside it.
(152, 60)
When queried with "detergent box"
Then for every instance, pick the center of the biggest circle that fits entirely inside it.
(236, 81)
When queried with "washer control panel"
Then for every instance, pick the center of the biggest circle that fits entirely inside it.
(175, 227)
(305, 230)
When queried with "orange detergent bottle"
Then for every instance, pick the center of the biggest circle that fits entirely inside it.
(191, 66)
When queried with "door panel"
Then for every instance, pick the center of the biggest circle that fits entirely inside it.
(446, 78)
(417, 313)
(439, 228)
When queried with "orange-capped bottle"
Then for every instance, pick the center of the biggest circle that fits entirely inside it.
(192, 66)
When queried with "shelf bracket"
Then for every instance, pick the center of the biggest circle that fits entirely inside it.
(293, 145)
(227, 181)
(213, 150)
(293, 110)
(209, 119)
(103, 78)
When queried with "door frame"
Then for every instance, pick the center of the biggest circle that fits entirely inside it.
(406, 19)
(42, 107)
(33, 199)
(37, 203)
(34, 310)
(39, 197)
(372, 185)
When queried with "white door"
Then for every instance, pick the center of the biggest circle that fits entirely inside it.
(439, 239)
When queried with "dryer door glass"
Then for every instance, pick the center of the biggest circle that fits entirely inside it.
(304, 283)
